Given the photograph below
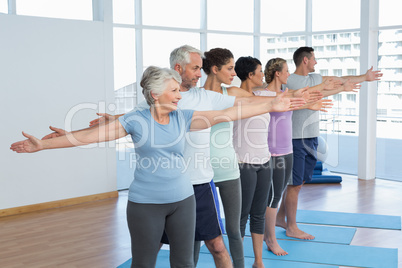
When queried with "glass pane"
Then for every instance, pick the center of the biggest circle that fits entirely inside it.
(390, 13)
(3, 6)
(157, 54)
(124, 69)
(172, 13)
(274, 20)
(63, 9)
(389, 105)
(334, 15)
(123, 11)
(338, 54)
(231, 15)
(281, 47)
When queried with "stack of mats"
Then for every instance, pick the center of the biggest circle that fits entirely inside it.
(322, 175)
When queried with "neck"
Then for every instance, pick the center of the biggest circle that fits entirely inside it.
(184, 89)
(247, 86)
(301, 71)
(159, 114)
(213, 84)
(275, 86)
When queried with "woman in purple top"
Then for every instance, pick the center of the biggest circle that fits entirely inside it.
(280, 145)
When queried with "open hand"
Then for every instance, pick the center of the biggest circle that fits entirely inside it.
(104, 117)
(350, 86)
(30, 145)
(373, 75)
(57, 132)
(321, 105)
(284, 104)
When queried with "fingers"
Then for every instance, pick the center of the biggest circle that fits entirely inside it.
(57, 130)
(48, 136)
(16, 145)
(296, 103)
(94, 122)
(26, 135)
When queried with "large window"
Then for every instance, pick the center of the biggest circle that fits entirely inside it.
(332, 28)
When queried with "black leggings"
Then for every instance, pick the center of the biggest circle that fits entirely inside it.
(282, 172)
(146, 223)
(255, 183)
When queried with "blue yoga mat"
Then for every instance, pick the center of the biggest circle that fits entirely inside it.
(324, 234)
(349, 219)
(325, 253)
(205, 260)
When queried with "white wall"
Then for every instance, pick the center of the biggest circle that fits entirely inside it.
(47, 68)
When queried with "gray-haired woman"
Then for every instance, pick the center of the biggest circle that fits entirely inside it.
(160, 197)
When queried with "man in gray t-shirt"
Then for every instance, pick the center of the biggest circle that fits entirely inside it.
(305, 124)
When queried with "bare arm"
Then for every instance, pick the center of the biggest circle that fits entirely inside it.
(111, 131)
(250, 99)
(206, 119)
(369, 76)
(104, 117)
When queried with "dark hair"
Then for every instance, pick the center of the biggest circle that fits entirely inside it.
(300, 53)
(246, 65)
(273, 65)
(216, 57)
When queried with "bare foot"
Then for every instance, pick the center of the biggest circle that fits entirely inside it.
(297, 233)
(281, 223)
(275, 248)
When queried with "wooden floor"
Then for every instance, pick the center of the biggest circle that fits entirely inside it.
(95, 234)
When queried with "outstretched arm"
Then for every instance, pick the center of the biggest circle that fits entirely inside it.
(111, 131)
(104, 118)
(57, 132)
(369, 76)
(206, 119)
(250, 99)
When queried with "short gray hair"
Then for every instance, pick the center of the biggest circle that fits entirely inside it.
(154, 81)
(181, 55)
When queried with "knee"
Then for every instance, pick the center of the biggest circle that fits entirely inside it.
(294, 188)
(216, 246)
(257, 224)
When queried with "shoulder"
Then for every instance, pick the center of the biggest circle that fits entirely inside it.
(238, 92)
(183, 113)
(315, 75)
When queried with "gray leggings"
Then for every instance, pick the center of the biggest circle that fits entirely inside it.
(230, 192)
(255, 184)
(146, 223)
(283, 166)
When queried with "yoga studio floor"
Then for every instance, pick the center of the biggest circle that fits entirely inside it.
(95, 234)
